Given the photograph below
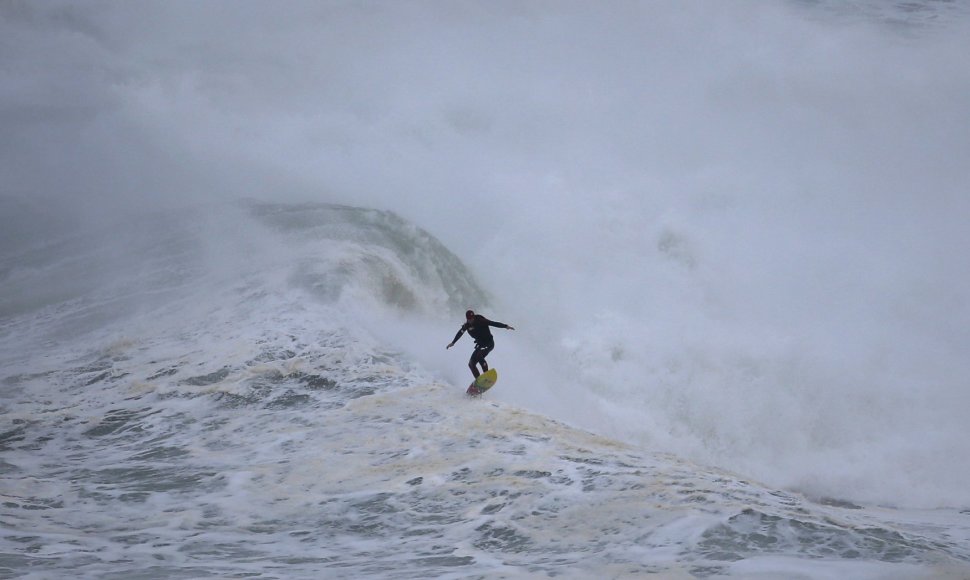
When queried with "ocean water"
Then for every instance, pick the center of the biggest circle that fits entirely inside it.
(235, 239)
(230, 405)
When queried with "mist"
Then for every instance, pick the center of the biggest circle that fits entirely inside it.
(455, 111)
(738, 228)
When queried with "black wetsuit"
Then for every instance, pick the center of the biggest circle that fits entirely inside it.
(484, 342)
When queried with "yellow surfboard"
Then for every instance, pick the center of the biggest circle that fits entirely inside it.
(483, 383)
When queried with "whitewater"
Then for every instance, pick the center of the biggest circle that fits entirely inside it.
(237, 237)
(239, 403)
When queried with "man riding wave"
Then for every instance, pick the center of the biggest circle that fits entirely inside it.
(477, 327)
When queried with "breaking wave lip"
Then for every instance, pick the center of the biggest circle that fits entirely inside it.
(255, 427)
(404, 263)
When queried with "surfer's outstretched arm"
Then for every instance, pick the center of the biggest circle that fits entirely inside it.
(461, 331)
(499, 324)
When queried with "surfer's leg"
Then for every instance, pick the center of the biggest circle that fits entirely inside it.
(484, 353)
(473, 363)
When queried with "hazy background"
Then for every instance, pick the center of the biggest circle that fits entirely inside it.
(738, 228)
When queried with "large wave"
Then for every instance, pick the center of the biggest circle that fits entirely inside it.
(230, 392)
(671, 341)
(730, 233)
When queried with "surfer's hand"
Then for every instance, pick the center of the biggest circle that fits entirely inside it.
(510, 327)
(449, 346)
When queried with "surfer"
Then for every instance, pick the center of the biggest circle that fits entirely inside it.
(477, 327)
